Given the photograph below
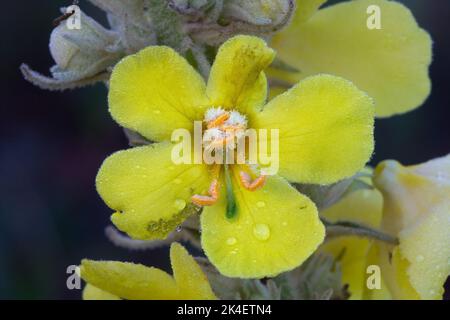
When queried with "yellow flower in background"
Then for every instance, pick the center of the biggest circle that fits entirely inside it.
(325, 134)
(109, 280)
(390, 64)
(417, 210)
(413, 204)
(356, 254)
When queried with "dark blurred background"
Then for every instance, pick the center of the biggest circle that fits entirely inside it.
(52, 144)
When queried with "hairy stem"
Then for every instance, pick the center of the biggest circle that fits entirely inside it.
(346, 228)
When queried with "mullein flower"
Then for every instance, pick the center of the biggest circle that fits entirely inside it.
(390, 63)
(413, 204)
(251, 226)
(109, 280)
(417, 210)
(356, 254)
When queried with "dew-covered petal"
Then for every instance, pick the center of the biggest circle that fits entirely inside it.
(156, 91)
(148, 191)
(390, 64)
(325, 129)
(275, 229)
(192, 283)
(237, 80)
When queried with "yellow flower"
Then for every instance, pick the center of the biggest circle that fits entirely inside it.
(356, 254)
(109, 280)
(417, 210)
(325, 134)
(413, 204)
(390, 64)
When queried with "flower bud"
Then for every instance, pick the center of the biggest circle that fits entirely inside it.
(82, 53)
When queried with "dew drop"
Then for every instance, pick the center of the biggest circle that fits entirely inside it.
(231, 241)
(177, 181)
(284, 223)
(156, 111)
(261, 231)
(420, 258)
(179, 204)
(260, 204)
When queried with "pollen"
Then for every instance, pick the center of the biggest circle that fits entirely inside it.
(223, 128)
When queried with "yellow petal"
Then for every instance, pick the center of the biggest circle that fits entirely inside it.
(129, 281)
(325, 129)
(417, 211)
(427, 247)
(305, 10)
(383, 293)
(236, 80)
(394, 270)
(352, 253)
(156, 91)
(390, 64)
(365, 207)
(93, 293)
(191, 281)
(275, 230)
(147, 191)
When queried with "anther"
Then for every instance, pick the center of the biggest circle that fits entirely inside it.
(250, 185)
(202, 200)
(219, 120)
(213, 192)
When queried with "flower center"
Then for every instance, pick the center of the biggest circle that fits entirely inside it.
(224, 130)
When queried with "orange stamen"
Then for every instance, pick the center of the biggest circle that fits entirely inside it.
(213, 191)
(250, 185)
(219, 120)
(202, 200)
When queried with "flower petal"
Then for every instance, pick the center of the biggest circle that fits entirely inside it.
(417, 211)
(390, 64)
(325, 129)
(365, 207)
(148, 191)
(394, 269)
(305, 10)
(191, 281)
(93, 293)
(129, 280)
(156, 91)
(236, 80)
(275, 230)
(427, 247)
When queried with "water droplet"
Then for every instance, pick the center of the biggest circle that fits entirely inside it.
(261, 231)
(178, 229)
(179, 204)
(177, 181)
(171, 168)
(156, 111)
(284, 223)
(420, 258)
(231, 241)
(260, 204)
